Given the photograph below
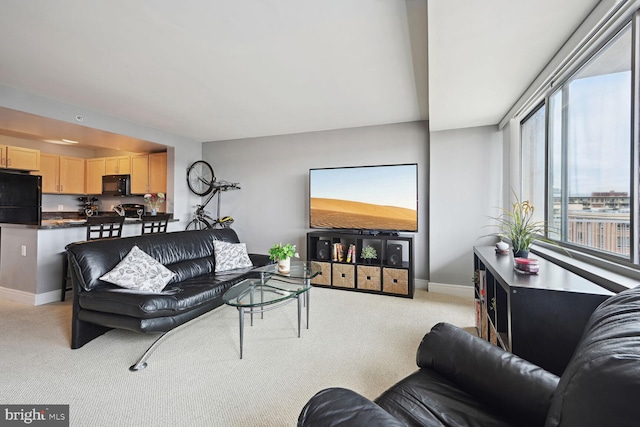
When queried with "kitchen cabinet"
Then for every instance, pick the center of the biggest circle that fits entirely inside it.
(95, 169)
(139, 174)
(149, 173)
(50, 171)
(158, 173)
(71, 173)
(19, 158)
(98, 167)
(62, 174)
(118, 165)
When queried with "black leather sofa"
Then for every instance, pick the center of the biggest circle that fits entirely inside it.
(466, 381)
(196, 288)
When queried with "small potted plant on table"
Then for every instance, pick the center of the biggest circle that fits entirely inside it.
(520, 228)
(282, 254)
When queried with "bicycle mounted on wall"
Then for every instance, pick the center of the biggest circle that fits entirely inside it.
(202, 181)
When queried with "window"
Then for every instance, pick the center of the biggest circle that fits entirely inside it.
(532, 137)
(590, 144)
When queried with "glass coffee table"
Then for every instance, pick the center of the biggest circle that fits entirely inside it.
(272, 290)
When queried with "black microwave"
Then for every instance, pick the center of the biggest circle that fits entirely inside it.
(116, 185)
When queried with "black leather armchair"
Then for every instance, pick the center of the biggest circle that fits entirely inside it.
(466, 381)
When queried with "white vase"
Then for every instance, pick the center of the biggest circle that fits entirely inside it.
(284, 265)
(154, 211)
(502, 246)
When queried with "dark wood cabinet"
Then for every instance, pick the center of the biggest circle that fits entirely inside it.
(539, 317)
(390, 273)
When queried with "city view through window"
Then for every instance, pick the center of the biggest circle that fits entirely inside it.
(589, 137)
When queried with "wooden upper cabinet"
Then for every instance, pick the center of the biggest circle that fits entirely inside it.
(149, 173)
(158, 173)
(139, 174)
(50, 171)
(95, 170)
(19, 158)
(62, 174)
(71, 175)
(119, 165)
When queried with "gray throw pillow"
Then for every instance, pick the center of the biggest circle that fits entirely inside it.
(140, 272)
(230, 256)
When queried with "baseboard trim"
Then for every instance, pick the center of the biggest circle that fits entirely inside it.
(48, 297)
(17, 296)
(454, 290)
(29, 298)
(421, 284)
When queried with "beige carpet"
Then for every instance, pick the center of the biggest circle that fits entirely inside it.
(360, 341)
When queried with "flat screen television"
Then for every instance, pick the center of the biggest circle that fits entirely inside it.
(20, 198)
(364, 198)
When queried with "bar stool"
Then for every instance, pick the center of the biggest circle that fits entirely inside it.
(155, 224)
(104, 227)
(98, 228)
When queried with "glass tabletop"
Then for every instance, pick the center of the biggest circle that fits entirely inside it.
(298, 270)
(256, 292)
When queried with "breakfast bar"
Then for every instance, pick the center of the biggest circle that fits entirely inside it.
(31, 256)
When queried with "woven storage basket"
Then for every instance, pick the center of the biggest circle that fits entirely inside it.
(344, 276)
(368, 277)
(324, 278)
(395, 281)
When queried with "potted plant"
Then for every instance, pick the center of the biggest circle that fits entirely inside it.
(282, 254)
(368, 253)
(520, 228)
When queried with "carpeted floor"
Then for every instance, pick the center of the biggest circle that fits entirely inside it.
(360, 341)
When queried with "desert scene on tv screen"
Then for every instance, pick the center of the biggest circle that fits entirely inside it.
(336, 213)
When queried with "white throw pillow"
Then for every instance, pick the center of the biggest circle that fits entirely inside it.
(139, 271)
(230, 256)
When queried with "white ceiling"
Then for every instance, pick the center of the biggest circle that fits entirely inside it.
(484, 54)
(215, 70)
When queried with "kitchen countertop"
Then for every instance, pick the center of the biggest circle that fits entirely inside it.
(50, 224)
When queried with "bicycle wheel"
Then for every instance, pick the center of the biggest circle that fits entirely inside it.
(198, 224)
(200, 178)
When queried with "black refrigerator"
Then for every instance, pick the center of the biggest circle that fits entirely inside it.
(20, 198)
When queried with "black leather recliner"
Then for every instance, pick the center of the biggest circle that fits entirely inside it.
(466, 381)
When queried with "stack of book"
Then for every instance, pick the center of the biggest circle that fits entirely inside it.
(338, 253)
(526, 265)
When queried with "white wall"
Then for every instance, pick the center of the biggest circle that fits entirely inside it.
(273, 206)
(465, 187)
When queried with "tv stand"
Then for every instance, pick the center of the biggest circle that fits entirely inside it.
(390, 273)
